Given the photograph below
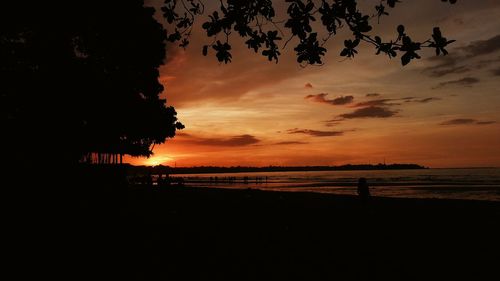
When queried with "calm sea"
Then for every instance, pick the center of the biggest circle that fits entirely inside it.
(476, 184)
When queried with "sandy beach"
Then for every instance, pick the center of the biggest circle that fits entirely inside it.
(219, 234)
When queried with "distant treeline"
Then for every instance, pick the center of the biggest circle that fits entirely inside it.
(239, 169)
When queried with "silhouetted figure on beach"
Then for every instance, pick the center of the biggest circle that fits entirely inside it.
(363, 189)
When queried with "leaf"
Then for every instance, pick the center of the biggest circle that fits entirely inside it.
(392, 3)
(401, 30)
(405, 59)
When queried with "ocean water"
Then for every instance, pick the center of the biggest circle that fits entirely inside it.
(473, 184)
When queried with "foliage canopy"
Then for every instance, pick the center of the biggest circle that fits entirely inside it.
(256, 21)
(82, 77)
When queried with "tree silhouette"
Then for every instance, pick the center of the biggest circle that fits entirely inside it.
(80, 81)
(255, 20)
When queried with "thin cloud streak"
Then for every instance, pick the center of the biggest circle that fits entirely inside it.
(234, 141)
(482, 47)
(424, 100)
(496, 71)
(465, 121)
(315, 133)
(465, 82)
(370, 112)
(461, 62)
(290, 142)
(394, 102)
(322, 98)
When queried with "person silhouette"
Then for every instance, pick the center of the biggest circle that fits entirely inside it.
(363, 189)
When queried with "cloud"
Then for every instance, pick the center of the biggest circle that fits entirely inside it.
(425, 100)
(370, 112)
(372, 95)
(482, 47)
(378, 108)
(336, 101)
(342, 100)
(315, 133)
(486, 122)
(440, 72)
(459, 122)
(484, 63)
(496, 71)
(394, 102)
(308, 85)
(451, 64)
(333, 122)
(466, 82)
(446, 65)
(466, 121)
(290, 142)
(241, 140)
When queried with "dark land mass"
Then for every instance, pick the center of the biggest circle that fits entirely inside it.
(95, 228)
(212, 169)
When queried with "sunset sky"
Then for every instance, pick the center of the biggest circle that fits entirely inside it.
(437, 111)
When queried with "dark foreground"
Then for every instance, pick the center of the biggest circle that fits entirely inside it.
(215, 234)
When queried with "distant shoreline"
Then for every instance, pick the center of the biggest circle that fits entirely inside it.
(239, 169)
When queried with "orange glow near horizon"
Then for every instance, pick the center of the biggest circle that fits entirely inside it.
(437, 112)
(157, 160)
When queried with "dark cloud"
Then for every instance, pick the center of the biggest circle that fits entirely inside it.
(308, 85)
(482, 47)
(425, 100)
(459, 122)
(457, 63)
(446, 65)
(333, 122)
(336, 101)
(440, 72)
(485, 63)
(466, 82)
(315, 133)
(370, 112)
(372, 95)
(485, 122)
(444, 61)
(496, 71)
(394, 102)
(342, 100)
(290, 142)
(466, 121)
(408, 99)
(241, 140)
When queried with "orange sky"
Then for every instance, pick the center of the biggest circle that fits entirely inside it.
(438, 112)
